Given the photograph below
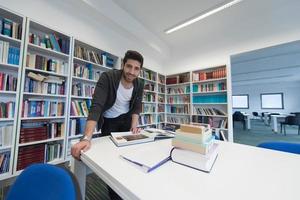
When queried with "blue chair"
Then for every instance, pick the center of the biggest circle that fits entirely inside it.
(282, 146)
(47, 182)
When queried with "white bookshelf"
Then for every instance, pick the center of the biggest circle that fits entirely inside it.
(148, 117)
(85, 71)
(13, 69)
(52, 63)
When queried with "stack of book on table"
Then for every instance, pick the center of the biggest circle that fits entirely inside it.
(195, 147)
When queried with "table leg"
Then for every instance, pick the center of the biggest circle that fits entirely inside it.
(79, 170)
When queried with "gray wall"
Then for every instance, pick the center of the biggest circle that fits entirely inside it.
(269, 70)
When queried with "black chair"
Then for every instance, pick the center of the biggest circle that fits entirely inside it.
(238, 116)
(290, 120)
(255, 115)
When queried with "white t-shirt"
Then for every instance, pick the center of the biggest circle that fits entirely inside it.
(121, 105)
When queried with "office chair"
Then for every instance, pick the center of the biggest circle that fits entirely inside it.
(290, 120)
(281, 146)
(238, 116)
(255, 115)
(47, 182)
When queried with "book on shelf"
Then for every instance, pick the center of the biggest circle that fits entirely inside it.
(6, 135)
(4, 161)
(9, 54)
(128, 138)
(195, 160)
(10, 28)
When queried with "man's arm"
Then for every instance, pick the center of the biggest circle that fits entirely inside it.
(135, 123)
(99, 99)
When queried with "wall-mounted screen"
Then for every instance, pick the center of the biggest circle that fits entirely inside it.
(240, 101)
(272, 101)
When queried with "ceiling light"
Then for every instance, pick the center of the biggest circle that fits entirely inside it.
(202, 16)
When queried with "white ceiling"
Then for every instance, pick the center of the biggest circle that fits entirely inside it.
(247, 21)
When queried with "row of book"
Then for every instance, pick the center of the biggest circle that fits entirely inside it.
(89, 55)
(160, 108)
(149, 97)
(9, 54)
(80, 108)
(146, 119)
(4, 161)
(148, 108)
(161, 89)
(6, 132)
(209, 87)
(178, 119)
(46, 64)
(161, 79)
(42, 108)
(77, 126)
(36, 131)
(7, 109)
(83, 90)
(182, 78)
(39, 153)
(10, 28)
(178, 99)
(51, 41)
(208, 111)
(206, 75)
(178, 109)
(160, 118)
(147, 74)
(160, 98)
(210, 99)
(212, 121)
(8, 82)
(149, 86)
(178, 90)
(86, 72)
(33, 86)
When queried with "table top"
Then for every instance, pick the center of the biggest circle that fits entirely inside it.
(240, 172)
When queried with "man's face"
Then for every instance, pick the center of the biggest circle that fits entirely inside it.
(131, 70)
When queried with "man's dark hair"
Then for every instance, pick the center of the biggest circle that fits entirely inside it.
(134, 55)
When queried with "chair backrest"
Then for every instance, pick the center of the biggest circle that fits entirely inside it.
(255, 114)
(47, 182)
(282, 146)
(238, 116)
(291, 120)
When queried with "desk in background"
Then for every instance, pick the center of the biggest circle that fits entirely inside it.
(240, 172)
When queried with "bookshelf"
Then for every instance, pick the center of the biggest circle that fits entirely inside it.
(44, 91)
(11, 52)
(209, 98)
(88, 62)
(198, 97)
(161, 100)
(148, 117)
(178, 99)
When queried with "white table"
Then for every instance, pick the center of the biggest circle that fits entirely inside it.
(240, 172)
(274, 121)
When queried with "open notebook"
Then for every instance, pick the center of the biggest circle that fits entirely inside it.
(147, 157)
(147, 135)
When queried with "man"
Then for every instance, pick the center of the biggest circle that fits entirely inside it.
(116, 105)
(117, 102)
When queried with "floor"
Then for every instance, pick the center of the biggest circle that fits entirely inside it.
(259, 133)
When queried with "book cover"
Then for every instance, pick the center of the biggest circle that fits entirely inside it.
(128, 138)
(195, 160)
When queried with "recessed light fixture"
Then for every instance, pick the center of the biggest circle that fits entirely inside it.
(202, 16)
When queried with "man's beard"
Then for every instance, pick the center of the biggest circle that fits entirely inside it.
(129, 77)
